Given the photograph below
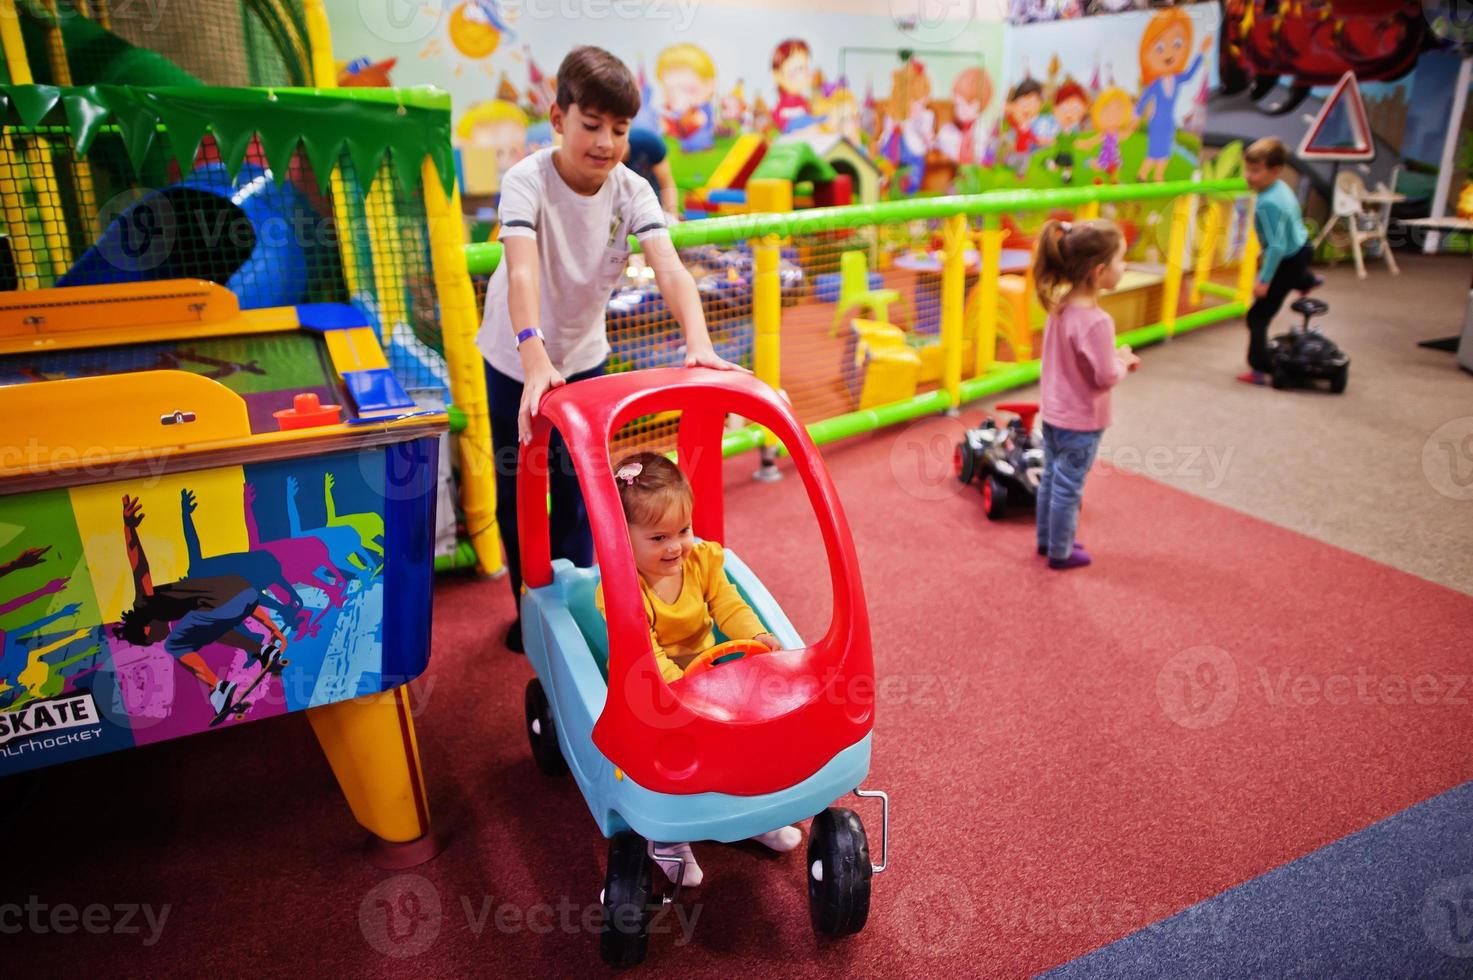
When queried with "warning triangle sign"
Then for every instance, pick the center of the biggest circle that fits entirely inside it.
(1341, 130)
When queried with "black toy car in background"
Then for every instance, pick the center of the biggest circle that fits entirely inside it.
(1007, 459)
(1304, 355)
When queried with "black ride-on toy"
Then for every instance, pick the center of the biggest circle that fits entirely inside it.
(1006, 459)
(1304, 355)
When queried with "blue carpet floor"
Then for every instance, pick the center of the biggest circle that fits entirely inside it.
(1394, 900)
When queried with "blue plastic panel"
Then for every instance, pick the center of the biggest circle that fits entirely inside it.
(376, 390)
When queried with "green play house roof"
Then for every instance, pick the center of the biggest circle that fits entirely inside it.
(367, 123)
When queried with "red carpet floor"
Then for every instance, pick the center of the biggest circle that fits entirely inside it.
(1070, 757)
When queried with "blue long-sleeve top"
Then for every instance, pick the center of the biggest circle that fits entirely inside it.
(1280, 227)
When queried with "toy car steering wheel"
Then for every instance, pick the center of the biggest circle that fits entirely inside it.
(724, 653)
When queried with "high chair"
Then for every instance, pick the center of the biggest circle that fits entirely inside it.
(1364, 220)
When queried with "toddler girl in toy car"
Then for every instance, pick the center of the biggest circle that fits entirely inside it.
(686, 596)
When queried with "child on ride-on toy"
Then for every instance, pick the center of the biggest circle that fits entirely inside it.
(686, 593)
(1286, 250)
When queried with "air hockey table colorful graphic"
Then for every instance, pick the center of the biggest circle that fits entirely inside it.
(192, 537)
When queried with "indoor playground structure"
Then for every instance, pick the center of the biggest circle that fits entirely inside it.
(243, 298)
(282, 195)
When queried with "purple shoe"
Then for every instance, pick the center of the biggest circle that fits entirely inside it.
(1078, 558)
(1043, 548)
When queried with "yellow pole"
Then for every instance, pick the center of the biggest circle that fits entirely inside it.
(61, 74)
(383, 228)
(14, 45)
(324, 75)
(319, 40)
(1206, 250)
(48, 203)
(1181, 214)
(23, 246)
(458, 322)
(766, 312)
(37, 166)
(984, 350)
(768, 196)
(1089, 210)
(1248, 265)
(953, 289)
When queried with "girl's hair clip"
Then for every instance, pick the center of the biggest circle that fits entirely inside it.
(1066, 226)
(628, 472)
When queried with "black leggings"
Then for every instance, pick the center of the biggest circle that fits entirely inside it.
(1293, 273)
(568, 522)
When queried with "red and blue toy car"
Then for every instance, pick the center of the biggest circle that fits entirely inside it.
(736, 747)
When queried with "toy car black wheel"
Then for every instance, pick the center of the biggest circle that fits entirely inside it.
(994, 498)
(1279, 379)
(626, 901)
(839, 873)
(1340, 379)
(542, 732)
(964, 462)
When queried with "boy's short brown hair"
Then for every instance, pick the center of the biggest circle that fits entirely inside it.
(1267, 152)
(598, 82)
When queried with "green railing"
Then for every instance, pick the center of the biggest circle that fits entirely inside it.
(765, 230)
(482, 258)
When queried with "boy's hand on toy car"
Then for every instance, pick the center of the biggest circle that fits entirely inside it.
(769, 641)
(706, 357)
(1260, 289)
(541, 379)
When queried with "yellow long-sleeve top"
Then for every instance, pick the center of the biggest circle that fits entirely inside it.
(681, 629)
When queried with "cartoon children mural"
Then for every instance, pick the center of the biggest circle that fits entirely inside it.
(1071, 106)
(910, 124)
(1166, 45)
(1114, 121)
(1024, 104)
(734, 112)
(961, 139)
(841, 113)
(792, 71)
(497, 125)
(687, 77)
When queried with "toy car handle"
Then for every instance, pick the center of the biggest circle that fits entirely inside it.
(724, 653)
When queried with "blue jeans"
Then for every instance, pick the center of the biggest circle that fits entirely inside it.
(1067, 457)
(568, 531)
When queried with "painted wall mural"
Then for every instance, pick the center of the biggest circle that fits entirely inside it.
(1090, 106)
(1105, 98)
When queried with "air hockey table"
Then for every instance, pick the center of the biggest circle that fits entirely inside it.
(210, 517)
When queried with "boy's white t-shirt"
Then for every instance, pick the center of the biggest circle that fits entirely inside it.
(582, 250)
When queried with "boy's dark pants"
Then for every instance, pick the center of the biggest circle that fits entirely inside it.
(568, 521)
(1293, 273)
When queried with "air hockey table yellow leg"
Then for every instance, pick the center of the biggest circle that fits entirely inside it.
(371, 746)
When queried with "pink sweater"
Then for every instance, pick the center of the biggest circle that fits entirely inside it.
(1079, 368)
